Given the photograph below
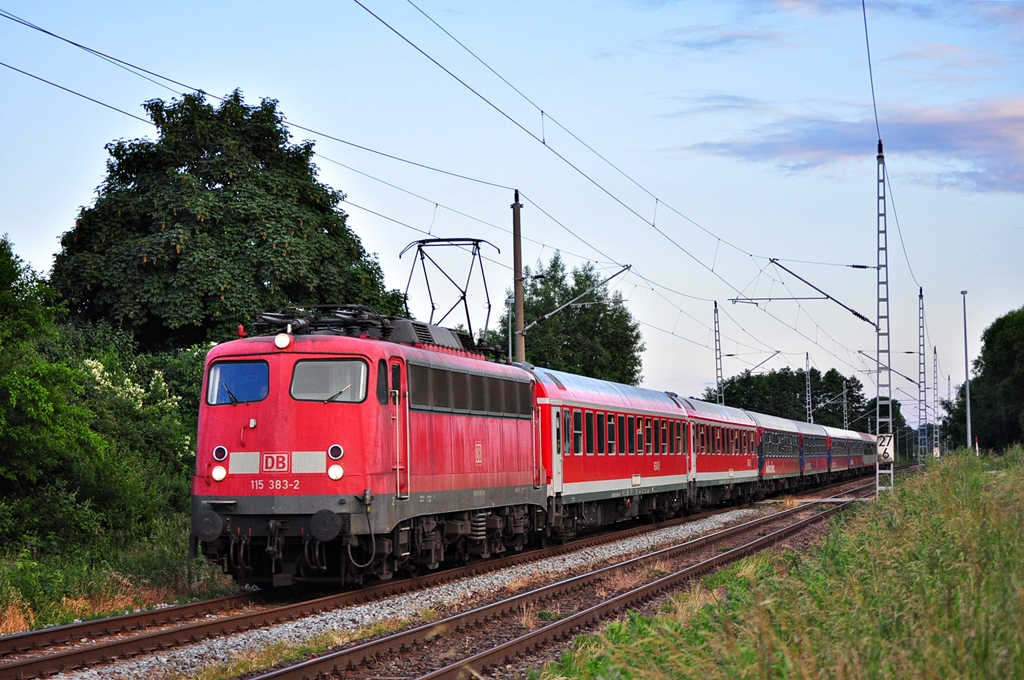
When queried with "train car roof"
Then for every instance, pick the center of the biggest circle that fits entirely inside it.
(838, 432)
(726, 414)
(786, 425)
(578, 388)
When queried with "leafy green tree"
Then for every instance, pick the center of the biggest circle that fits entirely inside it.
(997, 388)
(216, 220)
(596, 337)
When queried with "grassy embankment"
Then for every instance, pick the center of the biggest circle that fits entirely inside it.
(38, 591)
(926, 583)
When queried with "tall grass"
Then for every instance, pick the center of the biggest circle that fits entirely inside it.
(926, 583)
(105, 579)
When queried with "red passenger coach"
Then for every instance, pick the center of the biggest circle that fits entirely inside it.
(725, 448)
(611, 451)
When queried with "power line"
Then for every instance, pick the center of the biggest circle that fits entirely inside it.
(546, 115)
(871, 75)
(131, 68)
(381, 215)
(899, 231)
(77, 94)
(468, 178)
(505, 115)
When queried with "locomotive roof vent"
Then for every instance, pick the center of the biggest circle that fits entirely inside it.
(360, 320)
(418, 333)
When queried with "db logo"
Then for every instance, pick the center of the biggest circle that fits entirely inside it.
(275, 462)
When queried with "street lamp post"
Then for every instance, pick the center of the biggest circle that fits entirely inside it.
(967, 374)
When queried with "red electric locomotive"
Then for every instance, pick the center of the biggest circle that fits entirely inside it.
(340, 445)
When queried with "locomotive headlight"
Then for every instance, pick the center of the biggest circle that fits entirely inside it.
(282, 340)
(219, 454)
(335, 452)
(219, 473)
(335, 472)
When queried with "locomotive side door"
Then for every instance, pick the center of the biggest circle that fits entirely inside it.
(556, 450)
(399, 405)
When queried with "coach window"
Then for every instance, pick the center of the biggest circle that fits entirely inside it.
(611, 434)
(647, 436)
(382, 382)
(577, 433)
(567, 431)
(332, 380)
(664, 437)
(590, 433)
(631, 436)
(743, 443)
(657, 438)
(623, 435)
(600, 434)
(557, 423)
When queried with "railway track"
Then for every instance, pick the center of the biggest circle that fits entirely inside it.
(52, 650)
(420, 651)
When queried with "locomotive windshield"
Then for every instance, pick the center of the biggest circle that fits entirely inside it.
(333, 380)
(235, 382)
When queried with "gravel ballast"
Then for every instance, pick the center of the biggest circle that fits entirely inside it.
(191, 659)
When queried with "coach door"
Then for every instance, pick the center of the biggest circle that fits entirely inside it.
(556, 450)
(399, 405)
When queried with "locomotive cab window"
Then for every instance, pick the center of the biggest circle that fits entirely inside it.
(236, 382)
(331, 380)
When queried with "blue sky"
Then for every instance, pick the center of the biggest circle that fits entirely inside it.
(742, 130)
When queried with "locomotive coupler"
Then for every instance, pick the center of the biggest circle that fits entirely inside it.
(275, 541)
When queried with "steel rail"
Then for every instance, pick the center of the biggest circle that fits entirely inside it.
(472, 666)
(103, 652)
(107, 651)
(16, 643)
(347, 658)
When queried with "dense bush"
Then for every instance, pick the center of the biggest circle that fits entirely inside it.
(97, 444)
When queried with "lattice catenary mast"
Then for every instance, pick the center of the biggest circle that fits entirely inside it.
(718, 359)
(807, 375)
(922, 387)
(935, 396)
(883, 397)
